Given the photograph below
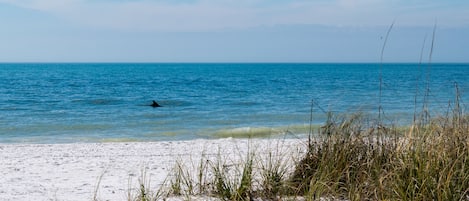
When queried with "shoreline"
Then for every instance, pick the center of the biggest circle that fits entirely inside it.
(72, 171)
(244, 132)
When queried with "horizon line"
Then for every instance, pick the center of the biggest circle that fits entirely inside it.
(227, 62)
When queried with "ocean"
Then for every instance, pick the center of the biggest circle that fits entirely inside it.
(108, 102)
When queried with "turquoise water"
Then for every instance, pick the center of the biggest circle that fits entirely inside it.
(58, 103)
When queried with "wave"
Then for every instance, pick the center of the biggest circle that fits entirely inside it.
(261, 132)
(247, 132)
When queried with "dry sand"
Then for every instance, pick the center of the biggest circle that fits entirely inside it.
(72, 171)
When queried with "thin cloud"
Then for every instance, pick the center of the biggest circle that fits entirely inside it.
(206, 15)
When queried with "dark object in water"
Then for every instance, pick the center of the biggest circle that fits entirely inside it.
(155, 104)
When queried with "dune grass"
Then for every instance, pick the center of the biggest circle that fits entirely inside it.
(351, 159)
(429, 162)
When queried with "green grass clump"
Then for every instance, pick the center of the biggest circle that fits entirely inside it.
(237, 185)
(426, 162)
(236, 177)
(273, 177)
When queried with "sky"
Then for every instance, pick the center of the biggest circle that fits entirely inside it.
(233, 30)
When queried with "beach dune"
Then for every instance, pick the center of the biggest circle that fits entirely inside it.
(72, 171)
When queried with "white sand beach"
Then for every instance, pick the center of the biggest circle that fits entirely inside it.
(72, 171)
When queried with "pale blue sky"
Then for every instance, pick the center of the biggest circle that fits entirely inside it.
(231, 30)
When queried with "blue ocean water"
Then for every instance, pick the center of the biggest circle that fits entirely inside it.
(84, 102)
